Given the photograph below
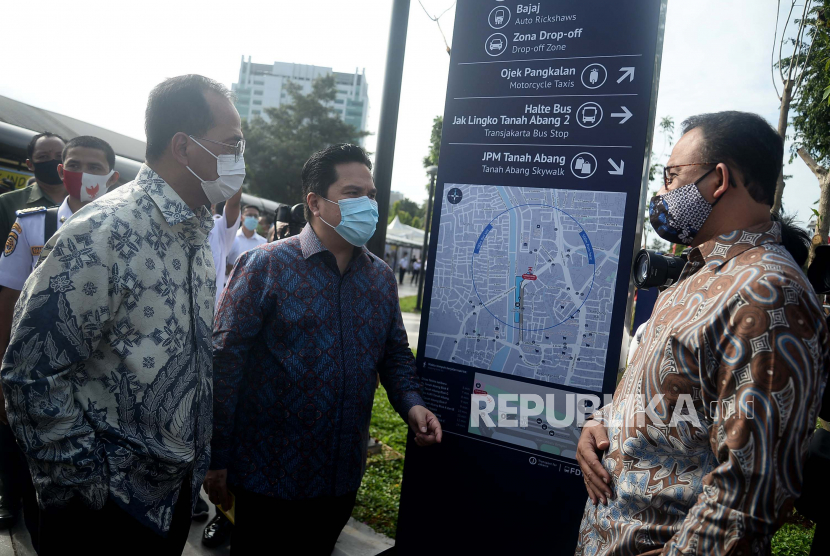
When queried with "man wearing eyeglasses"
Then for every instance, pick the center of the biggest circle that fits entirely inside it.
(702, 448)
(108, 373)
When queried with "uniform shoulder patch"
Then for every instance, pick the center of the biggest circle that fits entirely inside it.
(16, 227)
(30, 211)
(11, 244)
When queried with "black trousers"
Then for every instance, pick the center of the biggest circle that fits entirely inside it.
(401, 274)
(266, 525)
(110, 530)
(16, 481)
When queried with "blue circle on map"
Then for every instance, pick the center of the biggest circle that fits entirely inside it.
(454, 196)
(589, 254)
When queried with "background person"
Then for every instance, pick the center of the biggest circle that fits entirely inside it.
(108, 373)
(416, 269)
(403, 265)
(222, 237)
(296, 359)
(247, 237)
(44, 151)
(733, 362)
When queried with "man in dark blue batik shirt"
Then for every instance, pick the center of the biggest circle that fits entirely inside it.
(303, 329)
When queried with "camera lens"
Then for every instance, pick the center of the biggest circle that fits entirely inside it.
(642, 267)
(653, 269)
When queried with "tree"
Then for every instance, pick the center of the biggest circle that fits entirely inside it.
(792, 71)
(655, 174)
(278, 149)
(431, 159)
(408, 212)
(812, 120)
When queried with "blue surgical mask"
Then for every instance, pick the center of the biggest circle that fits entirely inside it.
(358, 219)
(250, 222)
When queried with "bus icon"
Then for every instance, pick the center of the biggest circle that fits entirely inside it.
(589, 115)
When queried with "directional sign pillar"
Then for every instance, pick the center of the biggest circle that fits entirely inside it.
(544, 158)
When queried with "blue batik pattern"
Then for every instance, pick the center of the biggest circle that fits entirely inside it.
(108, 375)
(297, 353)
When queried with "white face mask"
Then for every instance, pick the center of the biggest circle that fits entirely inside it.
(231, 175)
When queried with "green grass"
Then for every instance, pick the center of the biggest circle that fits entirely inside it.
(793, 539)
(408, 304)
(380, 493)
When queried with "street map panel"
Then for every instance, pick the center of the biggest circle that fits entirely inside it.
(524, 281)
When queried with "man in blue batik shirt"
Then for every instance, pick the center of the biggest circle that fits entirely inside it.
(108, 373)
(303, 329)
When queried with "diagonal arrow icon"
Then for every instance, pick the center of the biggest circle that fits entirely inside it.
(627, 72)
(625, 115)
(618, 170)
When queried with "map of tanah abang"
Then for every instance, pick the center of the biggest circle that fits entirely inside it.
(524, 281)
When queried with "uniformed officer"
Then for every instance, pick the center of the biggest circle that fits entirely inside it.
(87, 171)
(44, 152)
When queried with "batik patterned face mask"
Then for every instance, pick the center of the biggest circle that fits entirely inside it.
(677, 216)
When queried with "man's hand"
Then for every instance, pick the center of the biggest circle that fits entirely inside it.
(594, 441)
(425, 425)
(216, 486)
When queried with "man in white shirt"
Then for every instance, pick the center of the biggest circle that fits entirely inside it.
(222, 237)
(246, 237)
(403, 265)
(416, 270)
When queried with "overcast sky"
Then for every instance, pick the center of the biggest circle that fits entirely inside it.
(97, 60)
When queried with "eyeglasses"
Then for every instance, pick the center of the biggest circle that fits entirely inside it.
(239, 148)
(667, 180)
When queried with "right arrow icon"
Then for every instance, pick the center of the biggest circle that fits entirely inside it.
(625, 115)
(627, 72)
(618, 170)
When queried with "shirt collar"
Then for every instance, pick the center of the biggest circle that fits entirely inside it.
(174, 210)
(64, 212)
(36, 194)
(311, 244)
(721, 249)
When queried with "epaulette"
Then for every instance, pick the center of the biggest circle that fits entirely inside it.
(30, 211)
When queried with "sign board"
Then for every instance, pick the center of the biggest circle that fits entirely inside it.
(18, 178)
(544, 159)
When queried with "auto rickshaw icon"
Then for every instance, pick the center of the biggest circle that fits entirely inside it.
(499, 16)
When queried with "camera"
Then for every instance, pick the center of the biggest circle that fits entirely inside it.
(819, 272)
(655, 269)
(289, 221)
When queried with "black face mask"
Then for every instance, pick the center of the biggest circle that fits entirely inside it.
(47, 172)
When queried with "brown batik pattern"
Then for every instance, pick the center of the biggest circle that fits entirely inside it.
(739, 343)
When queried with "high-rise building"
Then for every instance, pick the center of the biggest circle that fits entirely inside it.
(262, 86)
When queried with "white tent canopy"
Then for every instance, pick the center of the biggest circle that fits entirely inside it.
(398, 233)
